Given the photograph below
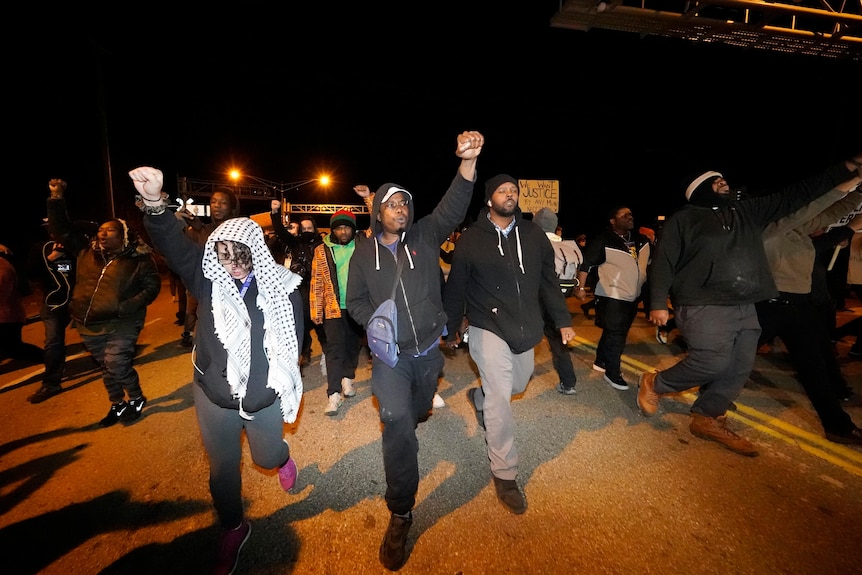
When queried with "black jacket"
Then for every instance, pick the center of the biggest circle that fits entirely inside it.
(372, 269)
(498, 282)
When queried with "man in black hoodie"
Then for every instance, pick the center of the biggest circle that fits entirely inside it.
(711, 262)
(405, 392)
(502, 277)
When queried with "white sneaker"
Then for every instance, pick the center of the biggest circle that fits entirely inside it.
(438, 401)
(323, 364)
(347, 387)
(334, 404)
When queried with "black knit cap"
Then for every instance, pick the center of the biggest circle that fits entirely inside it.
(497, 181)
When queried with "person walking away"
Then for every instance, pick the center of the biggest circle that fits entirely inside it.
(502, 275)
(711, 262)
(405, 392)
(328, 300)
(246, 359)
(621, 257)
(567, 259)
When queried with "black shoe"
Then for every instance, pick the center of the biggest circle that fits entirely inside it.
(133, 413)
(187, 340)
(585, 309)
(616, 381)
(393, 549)
(45, 392)
(851, 438)
(115, 414)
(480, 417)
(509, 495)
(561, 388)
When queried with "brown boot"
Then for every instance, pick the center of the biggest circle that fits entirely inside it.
(715, 429)
(647, 396)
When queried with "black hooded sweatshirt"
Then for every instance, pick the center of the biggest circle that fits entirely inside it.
(372, 268)
(711, 251)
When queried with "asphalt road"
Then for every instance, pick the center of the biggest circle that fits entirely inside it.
(608, 490)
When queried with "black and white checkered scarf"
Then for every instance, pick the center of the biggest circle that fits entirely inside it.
(275, 283)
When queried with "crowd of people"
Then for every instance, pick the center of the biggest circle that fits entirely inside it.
(730, 272)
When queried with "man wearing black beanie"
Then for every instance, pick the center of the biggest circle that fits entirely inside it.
(502, 275)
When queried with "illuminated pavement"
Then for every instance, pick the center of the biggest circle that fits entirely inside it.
(608, 490)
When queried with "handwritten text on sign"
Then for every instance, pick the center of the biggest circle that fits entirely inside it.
(538, 194)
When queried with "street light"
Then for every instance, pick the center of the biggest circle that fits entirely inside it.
(280, 187)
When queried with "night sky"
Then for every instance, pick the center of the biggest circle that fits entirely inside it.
(374, 96)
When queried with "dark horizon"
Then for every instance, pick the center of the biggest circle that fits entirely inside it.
(616, 118)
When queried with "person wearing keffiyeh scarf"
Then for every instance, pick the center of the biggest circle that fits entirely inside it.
(245, 354)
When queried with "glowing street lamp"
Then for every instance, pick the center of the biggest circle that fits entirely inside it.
(280, 187)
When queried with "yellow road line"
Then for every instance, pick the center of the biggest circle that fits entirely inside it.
(840, 455)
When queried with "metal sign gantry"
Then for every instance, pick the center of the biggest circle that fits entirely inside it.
(204, 188)
(810, 27)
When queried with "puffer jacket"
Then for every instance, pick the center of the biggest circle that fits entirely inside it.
(111, 294)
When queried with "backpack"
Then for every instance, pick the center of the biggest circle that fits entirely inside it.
(567, 259)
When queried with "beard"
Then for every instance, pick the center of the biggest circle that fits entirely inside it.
(505, 211)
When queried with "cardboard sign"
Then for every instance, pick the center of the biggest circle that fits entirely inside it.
(538, 194)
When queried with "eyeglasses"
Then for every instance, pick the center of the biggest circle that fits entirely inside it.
(225, 258)
(400, 204)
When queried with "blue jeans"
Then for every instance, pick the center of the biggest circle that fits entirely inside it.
(55, 321)
(115, 353)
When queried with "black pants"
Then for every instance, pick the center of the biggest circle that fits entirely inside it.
(802, 331)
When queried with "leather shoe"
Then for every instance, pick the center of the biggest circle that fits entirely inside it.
(648, 399)
(852, 438)
(509, 495)
(715, 429)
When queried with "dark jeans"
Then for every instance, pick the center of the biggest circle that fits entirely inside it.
(722, 347)
(560, 355)
(404, 397)
(803, 333)
(615, 317)
(55, 321)
(342, 350)
(115, 353)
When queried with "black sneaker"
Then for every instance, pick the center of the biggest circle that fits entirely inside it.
(187, 340)
(393, 549)
(133, 413)
(566, 390)
(480, 417)
(509, 495)
(45, 392)
(617, 382)
(115, 414)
